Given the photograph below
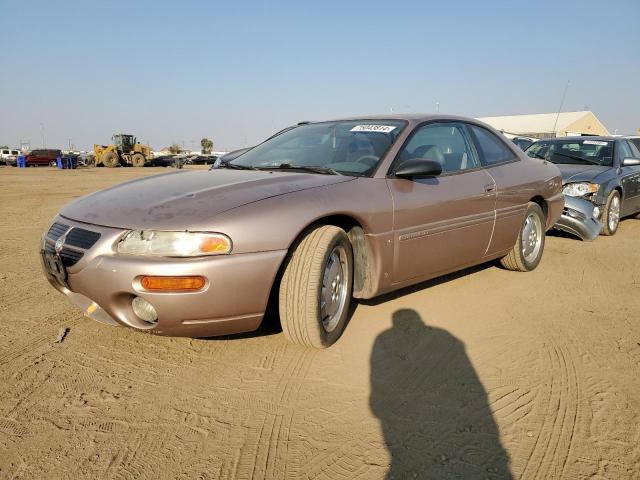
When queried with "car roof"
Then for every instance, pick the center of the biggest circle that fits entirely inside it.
(602, 138)
(413, 118)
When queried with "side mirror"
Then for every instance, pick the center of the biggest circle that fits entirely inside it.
(629, 162)
(418, 168)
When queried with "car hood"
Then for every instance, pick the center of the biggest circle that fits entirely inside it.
(187, 200)
(581, 173)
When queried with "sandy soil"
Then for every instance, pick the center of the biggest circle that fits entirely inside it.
(483, 374)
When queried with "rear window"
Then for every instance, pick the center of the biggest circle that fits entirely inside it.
(492, 149)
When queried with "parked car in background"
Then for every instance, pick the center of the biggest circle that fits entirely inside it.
(634, 141)
(603, 170)
(313, 217)
(43, 157)
(523, 142)
(8, 156)
(201, 159)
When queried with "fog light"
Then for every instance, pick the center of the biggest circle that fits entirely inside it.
(144, 310)
(596, 212)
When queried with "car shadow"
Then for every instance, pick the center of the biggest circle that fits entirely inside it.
(434, 412)
(562, 234)
(271, 323)
(427, 284)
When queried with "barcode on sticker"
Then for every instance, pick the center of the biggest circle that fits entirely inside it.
(373, 128)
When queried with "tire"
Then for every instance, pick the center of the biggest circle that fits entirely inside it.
(137, 160)
(110, 159)
(525, 257)
(322, 255)
(611, 214)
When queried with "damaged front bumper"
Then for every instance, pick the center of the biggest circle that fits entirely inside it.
(578, 219)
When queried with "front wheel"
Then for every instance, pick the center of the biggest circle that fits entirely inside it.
(527, 252)
(110, 160)
(137, 160)
(316, 286)
(611, 215)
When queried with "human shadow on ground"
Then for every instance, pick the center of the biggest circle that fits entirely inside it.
(434, 412)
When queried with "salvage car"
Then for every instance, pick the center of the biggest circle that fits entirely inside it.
(43, 157)
(603, 170)
(523, 142)
(311, 218)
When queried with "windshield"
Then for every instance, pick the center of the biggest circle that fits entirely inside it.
(578, 152)
(347, 147)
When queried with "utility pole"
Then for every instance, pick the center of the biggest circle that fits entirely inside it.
(564, 93)
(42, 133)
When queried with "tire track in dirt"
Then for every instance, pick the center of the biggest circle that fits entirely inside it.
(264, 453)
(548, 458)
(35, 343)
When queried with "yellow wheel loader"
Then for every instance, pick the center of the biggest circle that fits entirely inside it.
(125, 150)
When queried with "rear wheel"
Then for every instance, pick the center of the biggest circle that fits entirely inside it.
(137, 160)
(315, 291)
(527, 252)
(611, 215)
(110, 159)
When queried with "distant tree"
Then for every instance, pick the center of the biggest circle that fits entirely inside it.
(7, 146)
(175, 148)
(207, 146)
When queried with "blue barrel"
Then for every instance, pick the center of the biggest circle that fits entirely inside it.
(22, 161)
(59, 163)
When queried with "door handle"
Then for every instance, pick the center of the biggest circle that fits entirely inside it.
(489, 188)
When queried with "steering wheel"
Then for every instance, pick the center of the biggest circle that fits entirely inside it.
(370, 160)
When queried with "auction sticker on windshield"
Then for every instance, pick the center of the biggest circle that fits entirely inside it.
(373, 128)
(594, 142)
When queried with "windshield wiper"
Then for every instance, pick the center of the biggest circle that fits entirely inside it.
(580, 159)
(304, 168)
(235, 166)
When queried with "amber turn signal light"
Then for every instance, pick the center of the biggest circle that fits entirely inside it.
(173, 284)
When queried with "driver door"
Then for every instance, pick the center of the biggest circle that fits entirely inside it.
(629, 177)
(441, 223)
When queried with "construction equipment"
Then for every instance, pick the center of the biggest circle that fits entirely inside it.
(125, 150)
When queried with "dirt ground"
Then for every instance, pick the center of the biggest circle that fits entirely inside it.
(482, 374)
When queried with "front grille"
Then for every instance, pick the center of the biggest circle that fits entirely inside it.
(69, 257)
(57, 230)
(79, 237)
(574, 213)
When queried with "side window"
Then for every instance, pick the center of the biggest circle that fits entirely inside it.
(446, 143)
(634, 143)
(623, 151)
(492, 149)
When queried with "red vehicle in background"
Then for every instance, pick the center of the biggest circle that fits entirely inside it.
(43, 157)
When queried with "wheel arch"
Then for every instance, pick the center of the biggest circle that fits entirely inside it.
(364, 264)
(542, 203)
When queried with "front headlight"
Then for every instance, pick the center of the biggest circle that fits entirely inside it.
(580, 189)
(174, 244)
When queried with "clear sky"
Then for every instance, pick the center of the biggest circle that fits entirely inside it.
(236, 71)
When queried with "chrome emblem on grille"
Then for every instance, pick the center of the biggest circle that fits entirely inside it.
(59, 244)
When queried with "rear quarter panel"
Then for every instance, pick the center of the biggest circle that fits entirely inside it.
(518, 183)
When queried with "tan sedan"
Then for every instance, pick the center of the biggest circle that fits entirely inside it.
(311, 218)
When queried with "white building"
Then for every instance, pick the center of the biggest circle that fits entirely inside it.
(548, 125)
